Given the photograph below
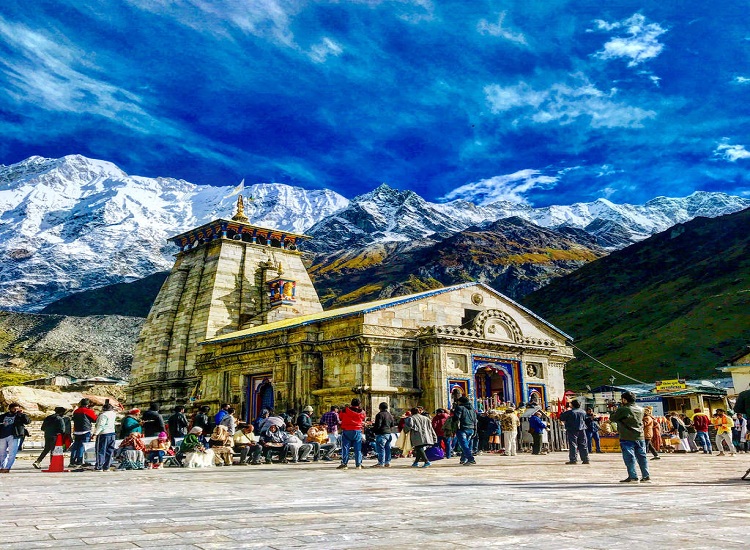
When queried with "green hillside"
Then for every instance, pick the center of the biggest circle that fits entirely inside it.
(678, 302)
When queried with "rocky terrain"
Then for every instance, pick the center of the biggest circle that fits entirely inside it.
(78, 346)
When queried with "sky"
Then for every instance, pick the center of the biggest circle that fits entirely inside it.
(542, 102)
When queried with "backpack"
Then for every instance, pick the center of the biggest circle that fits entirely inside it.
(450, 427)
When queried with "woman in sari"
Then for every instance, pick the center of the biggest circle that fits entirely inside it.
(196, 455)
(131, 452)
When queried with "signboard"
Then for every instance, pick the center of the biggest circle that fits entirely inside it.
(670, 385)
(606, 395)
(653, 402)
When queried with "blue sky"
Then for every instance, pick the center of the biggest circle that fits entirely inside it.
(547, 102)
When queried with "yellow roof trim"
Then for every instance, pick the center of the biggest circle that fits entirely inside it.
(347, 311)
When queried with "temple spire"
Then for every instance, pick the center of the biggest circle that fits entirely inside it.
(240, 215)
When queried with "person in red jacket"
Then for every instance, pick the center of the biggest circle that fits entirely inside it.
(83, 421)
(352, 420)
(701, 422)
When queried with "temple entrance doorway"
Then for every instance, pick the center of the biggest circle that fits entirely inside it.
(491, 387)
(258, 395)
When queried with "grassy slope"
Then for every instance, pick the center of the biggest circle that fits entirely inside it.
(678, 302)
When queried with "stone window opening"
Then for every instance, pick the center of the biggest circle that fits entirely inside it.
(469, 316)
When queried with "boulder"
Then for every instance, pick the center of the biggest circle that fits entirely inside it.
(99, 400)
(37, 403)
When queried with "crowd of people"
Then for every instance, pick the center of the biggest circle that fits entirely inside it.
(146, 440)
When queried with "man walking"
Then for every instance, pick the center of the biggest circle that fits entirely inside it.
(352, 420)
(575, 430)
(382, 430)
(701, 422)
(724, 426)
(466, 418)
(12, 426)
(52, 426)
(629, 419)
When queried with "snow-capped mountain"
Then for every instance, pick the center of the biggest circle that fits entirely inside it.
(75, 223)
(387, 214)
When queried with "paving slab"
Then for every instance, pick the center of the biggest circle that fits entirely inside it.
(694, 501)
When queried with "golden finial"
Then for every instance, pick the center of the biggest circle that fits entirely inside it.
(280, 270)
(240, 215)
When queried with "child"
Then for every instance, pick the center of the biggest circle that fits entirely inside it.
(157, 449)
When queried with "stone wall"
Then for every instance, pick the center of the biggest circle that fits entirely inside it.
(213, 289)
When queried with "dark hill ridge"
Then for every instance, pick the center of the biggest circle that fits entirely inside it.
(129, 299)
(512, 255)
(677, 302)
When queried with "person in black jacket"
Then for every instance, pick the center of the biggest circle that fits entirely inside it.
(12, 426)
(153, 423)
(575, 430)
(178, 423)
(304, 420)
(466, 417)
(382, 427)
(201, 420)
(742, 405)
(52, 426)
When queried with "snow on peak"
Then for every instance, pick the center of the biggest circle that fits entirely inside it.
(75, 223)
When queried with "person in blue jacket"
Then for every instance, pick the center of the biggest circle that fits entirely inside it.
(536, 427)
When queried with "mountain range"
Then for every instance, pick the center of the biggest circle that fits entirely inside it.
(674, 304)
(73, 224)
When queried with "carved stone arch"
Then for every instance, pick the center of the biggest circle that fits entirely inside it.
(490, 321)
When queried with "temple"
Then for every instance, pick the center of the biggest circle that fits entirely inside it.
(238, 321)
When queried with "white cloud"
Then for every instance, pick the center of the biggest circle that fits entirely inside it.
(640, 42)
(58, 77)
(730, 152)
(320, 51)
(564, 103)
(269, 19)
(498, 29)
(509, 187)
(741, 80)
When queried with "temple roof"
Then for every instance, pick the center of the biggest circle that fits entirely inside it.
(213, 229)
(361, 309)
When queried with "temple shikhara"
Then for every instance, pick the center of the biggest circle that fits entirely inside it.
(238, 321)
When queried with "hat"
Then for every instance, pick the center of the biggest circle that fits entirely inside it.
(134, 411)
(308, 409)
(162, 436)
(60, 410)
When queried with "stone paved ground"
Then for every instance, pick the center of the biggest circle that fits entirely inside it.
(695, 501)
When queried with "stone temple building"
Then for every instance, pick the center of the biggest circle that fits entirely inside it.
(238, 321)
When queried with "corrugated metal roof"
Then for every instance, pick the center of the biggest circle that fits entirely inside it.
(361, 309)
